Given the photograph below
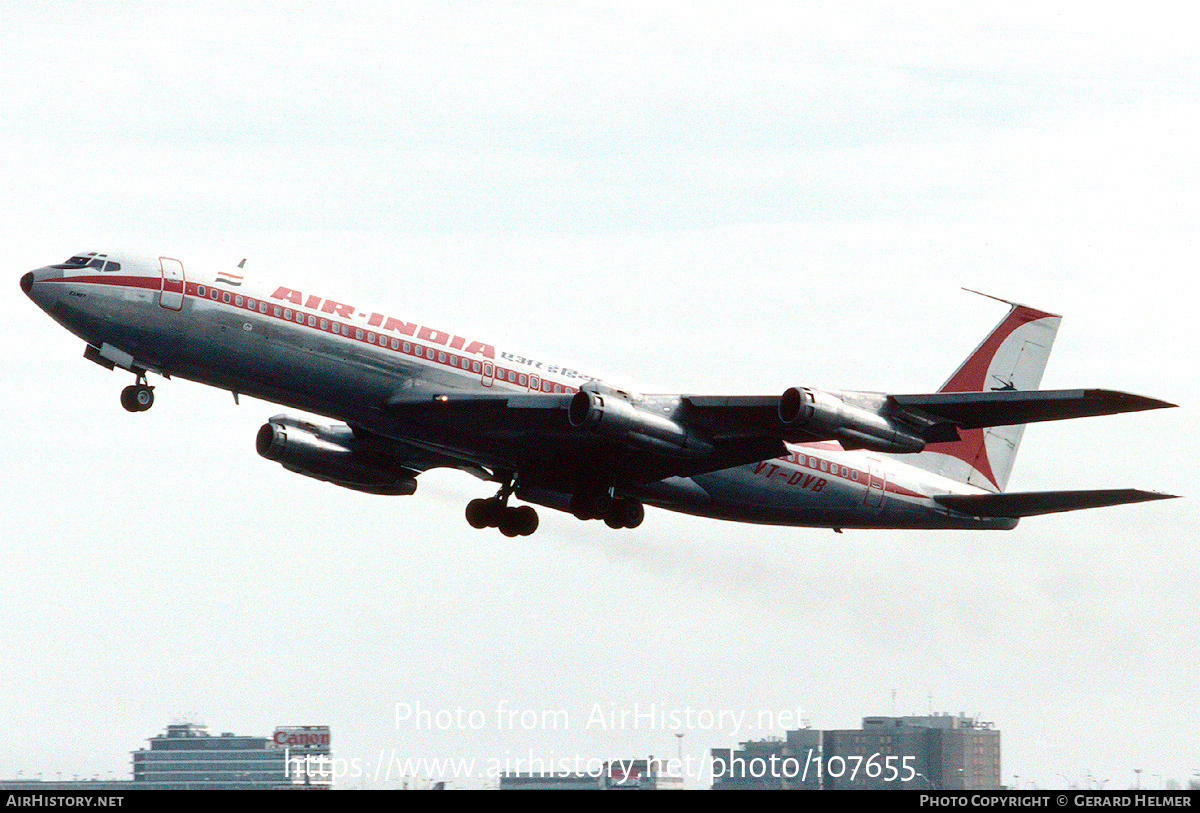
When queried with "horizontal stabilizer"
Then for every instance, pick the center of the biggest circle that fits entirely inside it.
(973, 410)
(1032, 503)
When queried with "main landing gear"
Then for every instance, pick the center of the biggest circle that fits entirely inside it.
(617, 512)
(497, 513)
(493, 513)
(138, 397)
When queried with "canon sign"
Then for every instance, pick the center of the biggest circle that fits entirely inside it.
(316, 736)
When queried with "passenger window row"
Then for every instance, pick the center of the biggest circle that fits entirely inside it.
(379, 339)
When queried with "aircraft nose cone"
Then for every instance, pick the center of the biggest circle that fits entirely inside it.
(27, 282)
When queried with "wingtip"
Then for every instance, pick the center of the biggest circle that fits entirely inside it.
(1136, 495)
(1130, 402)
(1143, 402)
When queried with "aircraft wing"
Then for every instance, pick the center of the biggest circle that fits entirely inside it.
(595, 431)
(534, 431)
(898, 423)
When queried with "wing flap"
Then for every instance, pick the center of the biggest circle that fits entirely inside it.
(419, 399)
(1033, 503)
(735, 415)
(753, 418)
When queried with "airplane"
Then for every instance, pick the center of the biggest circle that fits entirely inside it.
(408, 397)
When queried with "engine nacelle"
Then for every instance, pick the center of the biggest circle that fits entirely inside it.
(854, 426)
(328, 453)
(611, 415)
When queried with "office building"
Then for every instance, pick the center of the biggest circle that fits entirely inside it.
(188, 757)
(937, 752)
(790, 763)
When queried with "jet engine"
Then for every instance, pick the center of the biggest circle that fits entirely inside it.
(854, 426)
(330, 453)
(610, 415)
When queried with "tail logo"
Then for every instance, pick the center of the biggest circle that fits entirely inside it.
(1011, 358)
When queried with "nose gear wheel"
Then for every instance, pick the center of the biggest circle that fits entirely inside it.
(137, 397)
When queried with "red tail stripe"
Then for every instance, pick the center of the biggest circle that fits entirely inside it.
(972, 375)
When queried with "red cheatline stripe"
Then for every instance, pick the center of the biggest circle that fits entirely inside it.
(428, 353)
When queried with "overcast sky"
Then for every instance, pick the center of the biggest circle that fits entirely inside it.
(704, 197)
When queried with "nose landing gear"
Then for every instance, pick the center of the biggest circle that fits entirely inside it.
(138, 397)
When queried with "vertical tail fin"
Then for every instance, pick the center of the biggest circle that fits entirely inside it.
(1012, 357)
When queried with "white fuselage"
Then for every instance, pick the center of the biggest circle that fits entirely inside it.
(300, 349)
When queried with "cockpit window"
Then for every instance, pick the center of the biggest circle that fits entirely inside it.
(89, 260)
(78, 261)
